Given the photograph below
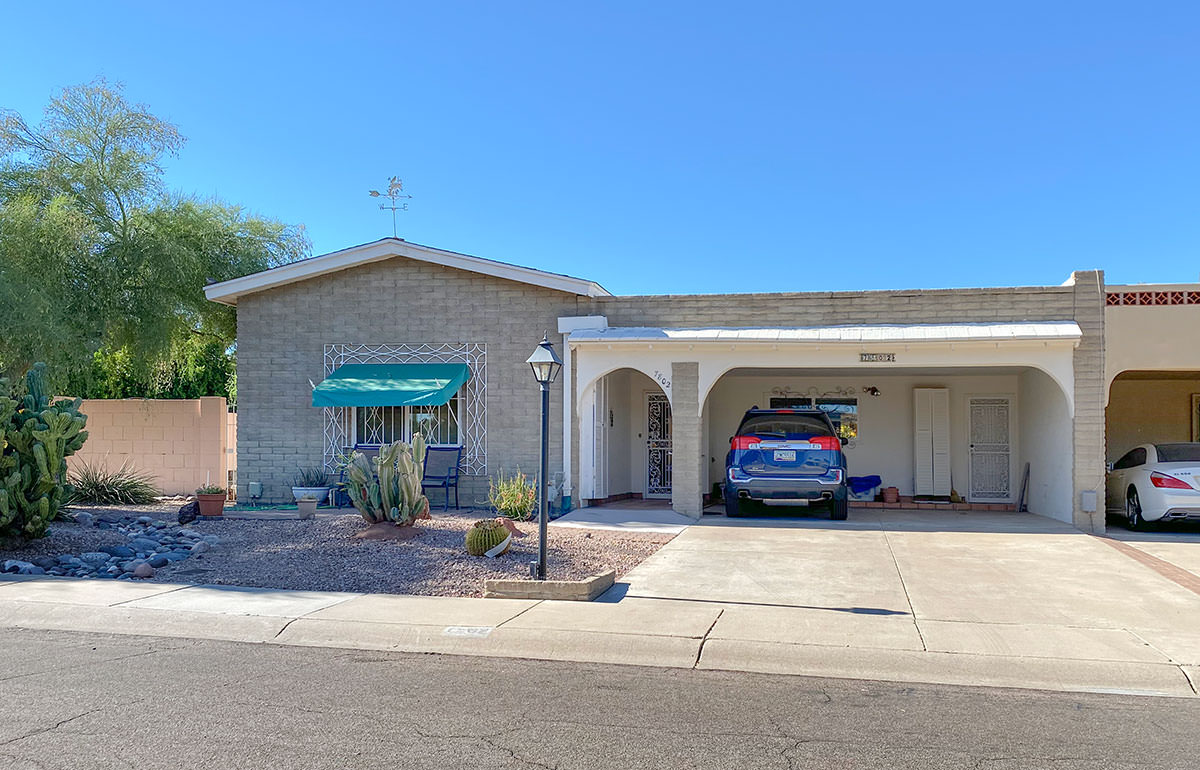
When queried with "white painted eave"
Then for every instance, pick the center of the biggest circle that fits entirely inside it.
(1036, 331)
(228, 292)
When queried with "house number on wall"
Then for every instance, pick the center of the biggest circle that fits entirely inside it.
(867, 358)
(662, 380)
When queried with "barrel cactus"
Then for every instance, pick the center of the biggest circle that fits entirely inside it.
(484, 535)
(388, 487)
(37, 434)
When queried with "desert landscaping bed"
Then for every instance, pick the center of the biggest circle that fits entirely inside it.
(323, 554)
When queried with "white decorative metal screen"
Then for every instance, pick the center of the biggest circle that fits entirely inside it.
(472, 407)
(658, 444)
(990, 449)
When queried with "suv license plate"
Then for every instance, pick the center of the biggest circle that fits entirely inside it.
(785, 455)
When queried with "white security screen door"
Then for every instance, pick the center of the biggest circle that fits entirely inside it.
(658, 445)
(991, 448)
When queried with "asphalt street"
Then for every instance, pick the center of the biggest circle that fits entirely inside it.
(76, 700)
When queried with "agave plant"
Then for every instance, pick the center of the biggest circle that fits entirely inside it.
(388, 487)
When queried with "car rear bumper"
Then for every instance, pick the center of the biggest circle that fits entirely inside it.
(786, 491)
(1170, 505)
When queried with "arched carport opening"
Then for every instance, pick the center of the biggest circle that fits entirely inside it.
(998, 421)
(625, 438)
(1148, 406)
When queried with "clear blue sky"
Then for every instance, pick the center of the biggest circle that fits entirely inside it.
(678, 147)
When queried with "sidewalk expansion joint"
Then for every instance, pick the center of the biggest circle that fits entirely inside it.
(519, 614)
(912, 613)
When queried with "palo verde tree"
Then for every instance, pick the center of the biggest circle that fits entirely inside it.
(99, 260)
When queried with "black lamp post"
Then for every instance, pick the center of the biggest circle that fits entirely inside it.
(546, 365)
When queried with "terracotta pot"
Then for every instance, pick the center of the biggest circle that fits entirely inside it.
(891, 494)
(211, 505)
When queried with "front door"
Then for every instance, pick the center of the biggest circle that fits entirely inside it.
(658, 445)
(991, 449)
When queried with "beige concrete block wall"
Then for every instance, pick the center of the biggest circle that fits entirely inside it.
(181, 443)
(282, 333)
(1149, 411)
(1088, 289)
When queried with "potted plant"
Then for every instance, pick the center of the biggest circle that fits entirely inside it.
(307, 506)
(211, 500)
(311, 482)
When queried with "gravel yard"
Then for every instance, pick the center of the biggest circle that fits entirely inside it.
(322, 554)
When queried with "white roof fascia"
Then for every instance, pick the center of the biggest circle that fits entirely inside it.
(228, 292)
(1038, 331)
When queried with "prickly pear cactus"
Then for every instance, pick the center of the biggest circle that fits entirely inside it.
(388, 488)
(37, 435)
(484, 535)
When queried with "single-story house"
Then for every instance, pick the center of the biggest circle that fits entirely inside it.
(995, 396)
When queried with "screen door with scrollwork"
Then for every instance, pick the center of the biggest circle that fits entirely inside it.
(658, 445)
(991, 449)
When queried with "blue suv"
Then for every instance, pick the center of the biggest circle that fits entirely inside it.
(786, 457)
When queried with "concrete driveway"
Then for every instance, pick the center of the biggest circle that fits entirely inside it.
(805, 594)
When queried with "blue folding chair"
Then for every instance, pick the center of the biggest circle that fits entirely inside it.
(441, 471)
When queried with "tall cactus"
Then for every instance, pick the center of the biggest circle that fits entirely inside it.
(37, 434)
(388, 488)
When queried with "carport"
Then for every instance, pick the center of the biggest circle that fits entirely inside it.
(933, 409)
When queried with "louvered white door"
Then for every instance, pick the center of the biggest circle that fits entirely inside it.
(991, 448)
(600, 439)
(931, 442)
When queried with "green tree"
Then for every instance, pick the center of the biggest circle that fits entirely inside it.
(97, 257)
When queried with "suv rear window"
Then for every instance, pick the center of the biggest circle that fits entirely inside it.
(785, 425)
(1178, 453)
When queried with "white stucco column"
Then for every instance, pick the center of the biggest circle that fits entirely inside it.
(566, 325)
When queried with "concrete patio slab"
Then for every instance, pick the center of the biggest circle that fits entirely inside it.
(78, 591)
(946, 668)
(648, 519)
(140, 622)
(631, 616)
(1037, 578)
(425, 610)
(1038, 641)
(504, 642)
(1179, 548)
(839, 627)
(236, 600)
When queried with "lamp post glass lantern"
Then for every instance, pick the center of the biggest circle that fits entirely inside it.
(546, 365)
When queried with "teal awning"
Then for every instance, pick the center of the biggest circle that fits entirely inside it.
(391, 385)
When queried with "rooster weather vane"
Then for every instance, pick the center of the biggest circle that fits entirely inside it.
(395, 193)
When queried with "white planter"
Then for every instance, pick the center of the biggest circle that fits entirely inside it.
(320, 493)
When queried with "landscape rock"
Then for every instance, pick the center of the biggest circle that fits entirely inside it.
(15, 565)
(143, 570)
(144, 544)
(46, 562)
(159, 561)
(201, 547)
(84, 519)
(32, 569)
(188, 512)
(95, 558)
(118, 550)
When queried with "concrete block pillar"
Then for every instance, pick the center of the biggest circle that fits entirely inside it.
(685, 438)
(1089, 397)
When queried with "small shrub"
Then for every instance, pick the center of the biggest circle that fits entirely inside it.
(211, 489)
(311, 477)
(513, 496)
(97, 485)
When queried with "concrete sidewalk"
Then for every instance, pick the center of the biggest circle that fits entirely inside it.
(639, 631)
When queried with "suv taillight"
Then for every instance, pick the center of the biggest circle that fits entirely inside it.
(744, 442)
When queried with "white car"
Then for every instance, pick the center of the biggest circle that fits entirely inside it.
(1155, 482)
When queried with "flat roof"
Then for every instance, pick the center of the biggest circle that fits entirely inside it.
(995, 332)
